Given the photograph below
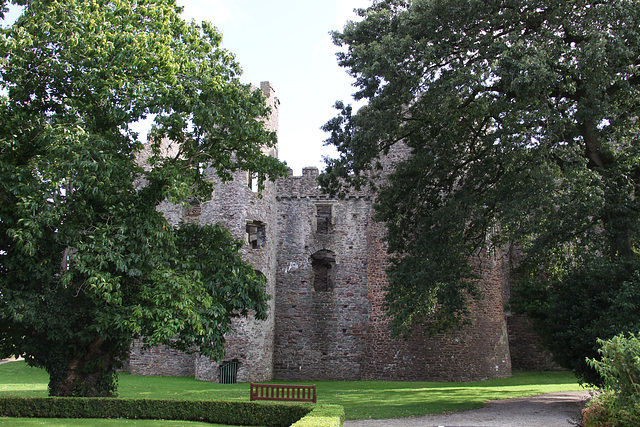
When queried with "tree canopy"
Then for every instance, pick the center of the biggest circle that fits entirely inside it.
(521, 117)
(87, 263)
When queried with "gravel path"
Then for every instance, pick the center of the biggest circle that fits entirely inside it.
(546, 410)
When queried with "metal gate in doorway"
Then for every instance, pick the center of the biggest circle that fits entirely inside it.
(228, 372)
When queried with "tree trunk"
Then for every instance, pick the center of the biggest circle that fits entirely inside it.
(617, 224)
(92, 375)
(619, 239)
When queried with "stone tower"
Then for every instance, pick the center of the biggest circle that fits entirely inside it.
(251, 217)
(322, 301)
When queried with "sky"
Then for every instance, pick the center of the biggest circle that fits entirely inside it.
(288, 43)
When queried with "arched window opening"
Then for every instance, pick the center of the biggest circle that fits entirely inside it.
(323, 264)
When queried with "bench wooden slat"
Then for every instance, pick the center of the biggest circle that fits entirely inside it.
(283, 392)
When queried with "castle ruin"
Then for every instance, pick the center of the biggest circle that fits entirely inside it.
(324, 262)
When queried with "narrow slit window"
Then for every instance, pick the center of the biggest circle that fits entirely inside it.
(252, 181)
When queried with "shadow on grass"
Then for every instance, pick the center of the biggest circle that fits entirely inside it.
(18, 379)
(387, 399)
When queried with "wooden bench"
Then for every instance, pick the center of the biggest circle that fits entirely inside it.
(283, 392)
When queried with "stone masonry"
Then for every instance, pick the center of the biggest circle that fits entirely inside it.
(324, 261)
(321, 330)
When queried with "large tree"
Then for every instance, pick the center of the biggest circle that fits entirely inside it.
(87, 263)
(522, 119)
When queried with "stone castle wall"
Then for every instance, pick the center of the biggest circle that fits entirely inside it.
(160, 361)
(526, 348)
(343, 333)
(480, 351)
(320, 324)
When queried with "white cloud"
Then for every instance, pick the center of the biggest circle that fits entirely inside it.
(216, 11)
(344, 11)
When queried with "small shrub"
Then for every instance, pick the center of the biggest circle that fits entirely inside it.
(596, 414)
(619, 366)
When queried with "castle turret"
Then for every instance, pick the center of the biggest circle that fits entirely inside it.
(250, 216)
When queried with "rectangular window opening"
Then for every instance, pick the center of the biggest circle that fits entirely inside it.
(256, 234)
(193, 212)
(323, 216)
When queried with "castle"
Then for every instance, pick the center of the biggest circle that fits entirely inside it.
(324, 260)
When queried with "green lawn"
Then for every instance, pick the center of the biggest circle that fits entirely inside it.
(361, 399)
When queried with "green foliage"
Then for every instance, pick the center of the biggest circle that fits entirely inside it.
(520, 123)
(595, 413)
(209, 284)
(86, 261)
(233, 413)
(603, 410)
(597, 301)
(619, 365)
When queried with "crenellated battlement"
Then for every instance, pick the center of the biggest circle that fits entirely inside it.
(306, 186)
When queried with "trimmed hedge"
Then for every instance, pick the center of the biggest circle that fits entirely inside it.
(323, 416)
(220, 412)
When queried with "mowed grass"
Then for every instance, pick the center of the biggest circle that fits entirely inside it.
(361, 399)
(387, 399)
